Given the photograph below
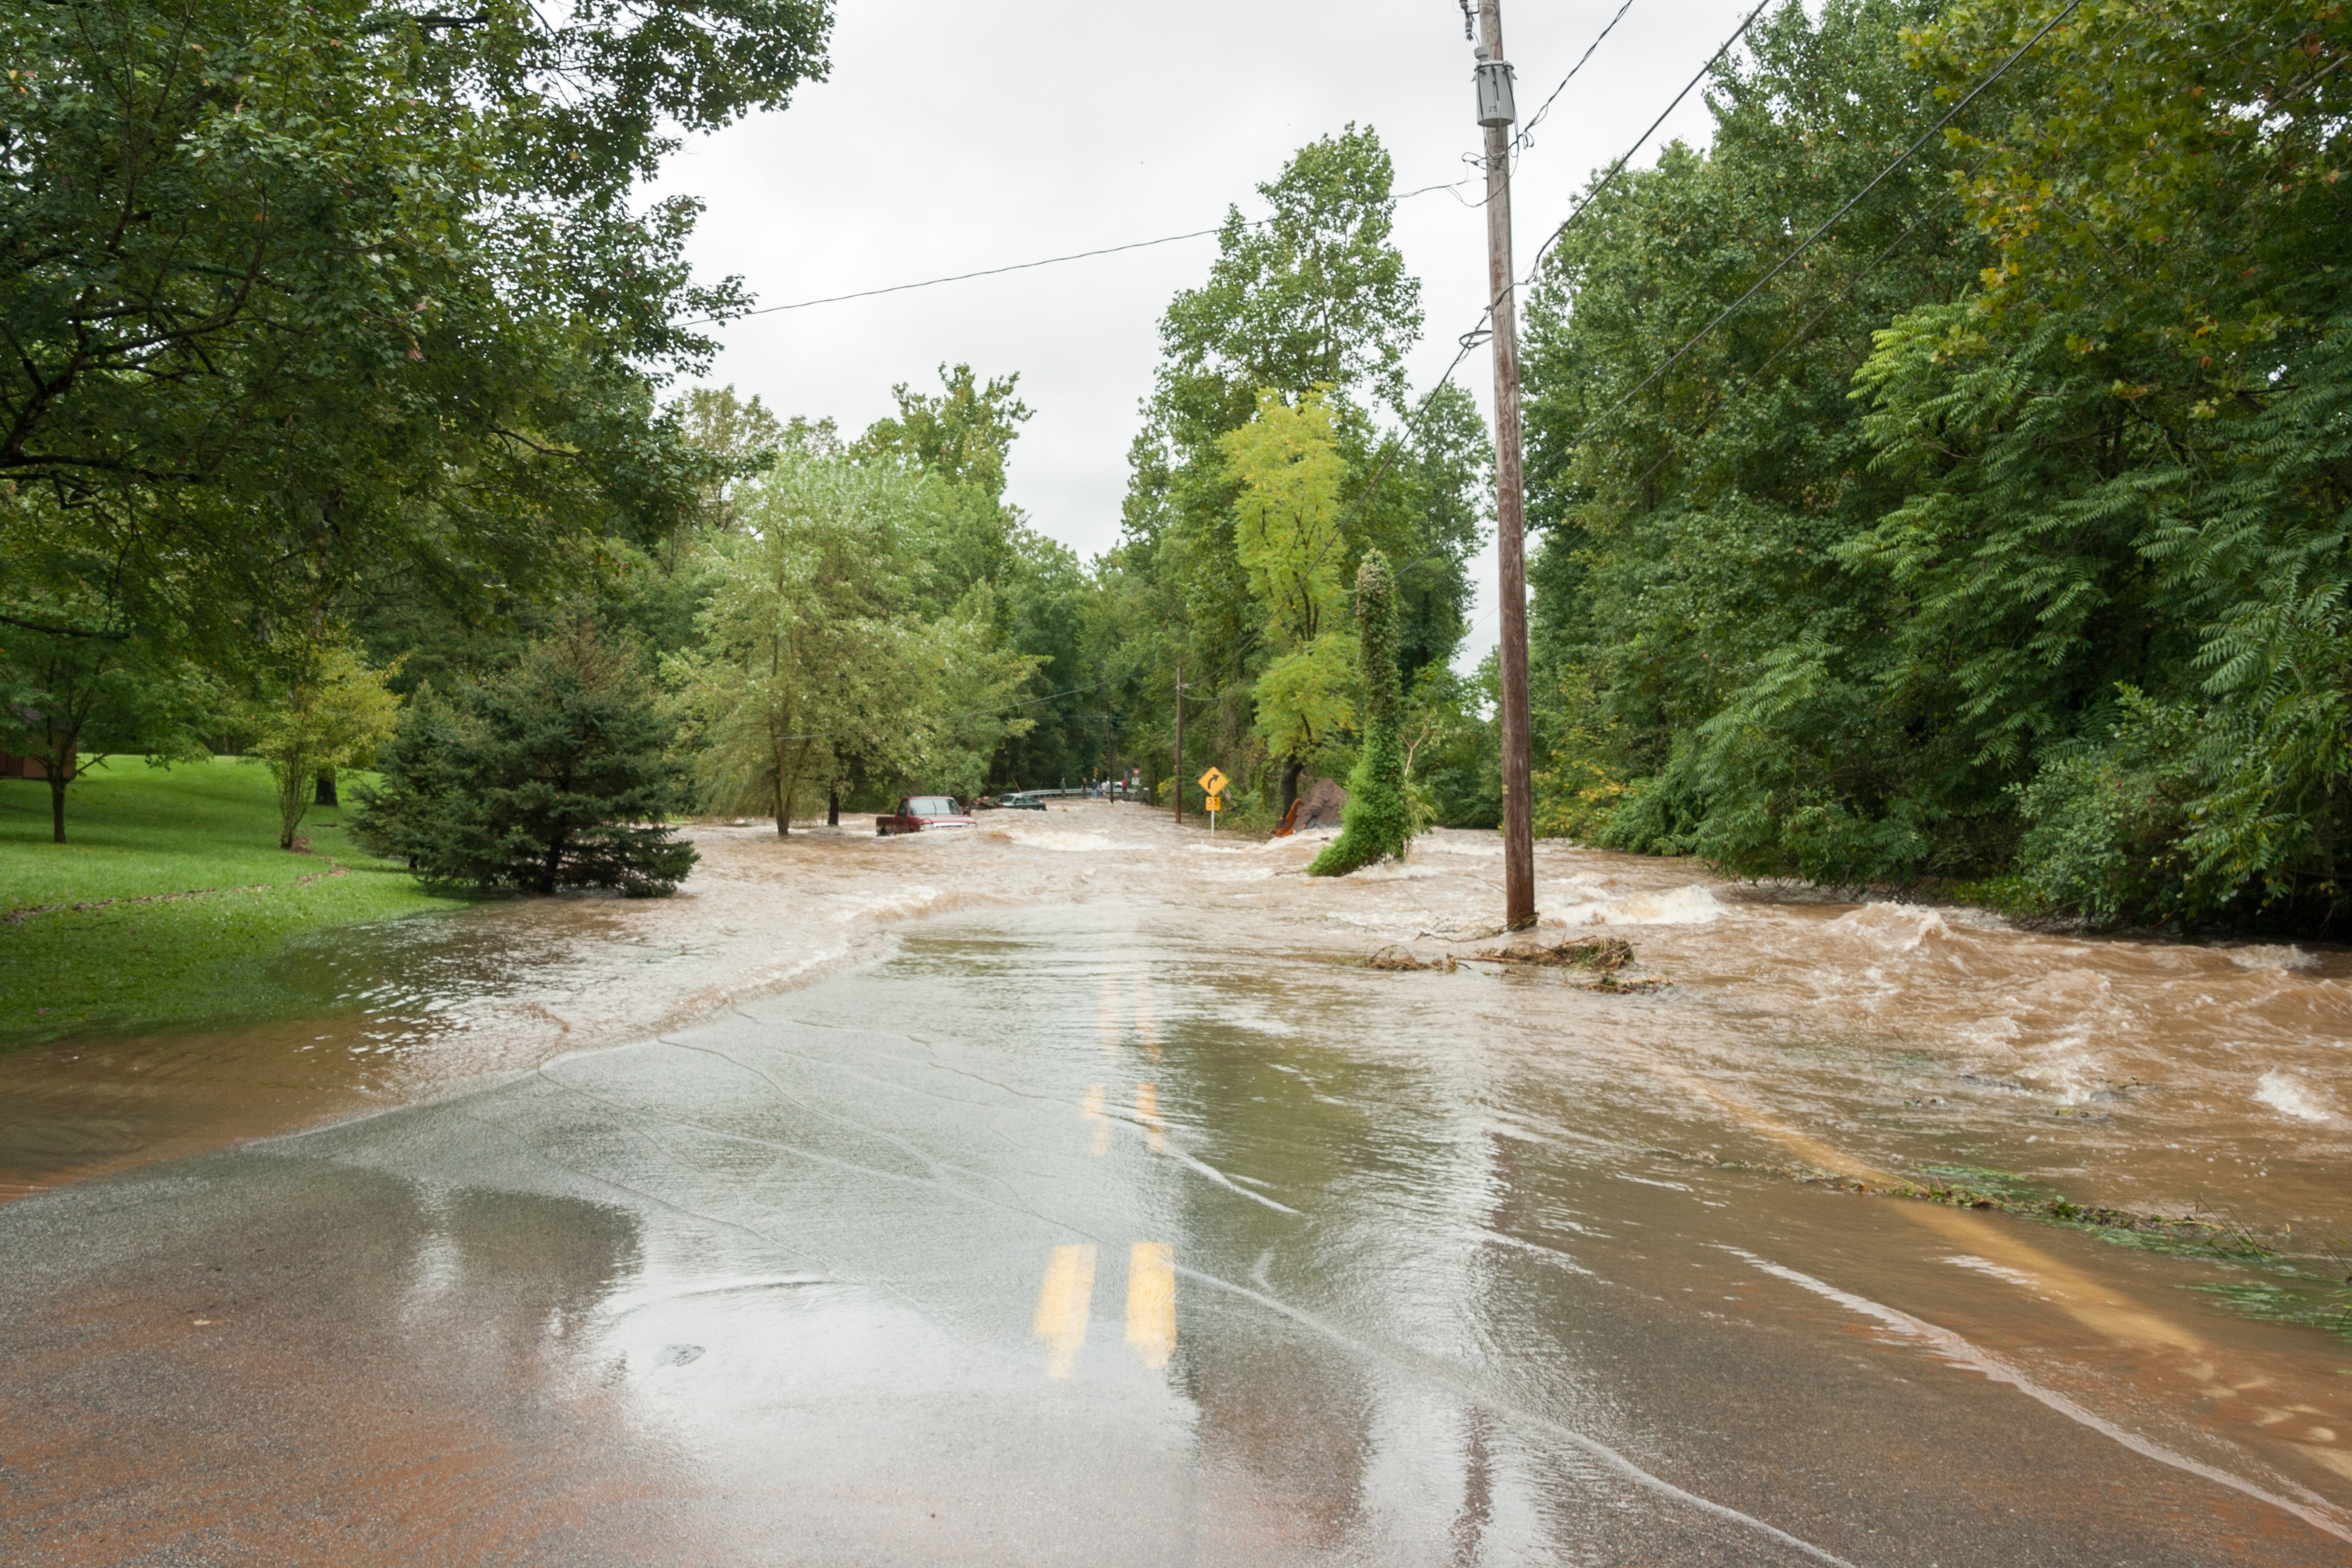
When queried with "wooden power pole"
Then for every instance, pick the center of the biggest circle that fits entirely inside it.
(1495, 113)
(1180, 746)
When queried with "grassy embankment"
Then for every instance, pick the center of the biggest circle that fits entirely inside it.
(187, 898)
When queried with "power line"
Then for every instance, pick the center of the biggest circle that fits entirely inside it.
(1806, 243)
(1026, 265)
(1471, 339)
(1537, 118)
(1627, 156)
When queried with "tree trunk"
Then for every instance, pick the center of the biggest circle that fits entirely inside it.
(57, 778)
(832, 803)
(326, 795)
(1291, 768)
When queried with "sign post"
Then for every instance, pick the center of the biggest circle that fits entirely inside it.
(1213, 785)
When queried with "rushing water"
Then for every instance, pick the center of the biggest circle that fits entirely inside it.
(1118, 1211)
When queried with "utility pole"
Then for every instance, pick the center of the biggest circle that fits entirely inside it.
(1496, 112)
(1180, 746)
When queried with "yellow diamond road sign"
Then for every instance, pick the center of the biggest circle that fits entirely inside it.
(1212, 781)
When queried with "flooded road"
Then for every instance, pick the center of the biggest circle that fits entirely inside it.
(1116, 1211)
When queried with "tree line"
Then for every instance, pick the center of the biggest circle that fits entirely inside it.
(2001, 541)
(1997, 541)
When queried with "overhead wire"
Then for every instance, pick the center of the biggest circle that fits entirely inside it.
(1025, 265)
(1475, 335)
(1722, 394)
(1848, 205)
(1527, 129)
(1640, 142)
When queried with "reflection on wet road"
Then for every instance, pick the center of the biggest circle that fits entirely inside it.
(1060, 1235)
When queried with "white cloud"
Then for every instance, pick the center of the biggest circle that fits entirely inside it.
(953, 136)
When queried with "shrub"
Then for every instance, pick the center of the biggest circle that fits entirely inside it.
(556, 774)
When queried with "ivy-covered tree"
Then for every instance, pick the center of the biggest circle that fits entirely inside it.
(1377, 821)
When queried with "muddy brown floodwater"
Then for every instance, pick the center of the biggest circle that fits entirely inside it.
(1071, 1189)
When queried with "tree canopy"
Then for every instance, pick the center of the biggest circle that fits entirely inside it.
(2003, 535)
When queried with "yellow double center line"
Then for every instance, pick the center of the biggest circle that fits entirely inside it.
(1066, 1301)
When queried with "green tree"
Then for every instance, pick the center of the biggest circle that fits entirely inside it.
(1286, 473)
(963, 434)
(1379, 819)
(559, 774)
(330, 712)
(301, 299)
(75, 680)
(816, 663)
(1709, 676)
(1314, 299)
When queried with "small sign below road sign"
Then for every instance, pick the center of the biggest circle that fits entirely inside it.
(1212, 783)
(1216, 804)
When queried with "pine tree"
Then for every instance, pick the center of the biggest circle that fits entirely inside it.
(557, 775)
(1377, 821)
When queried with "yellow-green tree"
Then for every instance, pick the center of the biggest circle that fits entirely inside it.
(1287, 536)
(330, 714)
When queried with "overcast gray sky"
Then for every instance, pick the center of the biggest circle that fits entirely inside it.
(955, 136)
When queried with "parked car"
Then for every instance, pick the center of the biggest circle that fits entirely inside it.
(1019, 801)
(918, 812)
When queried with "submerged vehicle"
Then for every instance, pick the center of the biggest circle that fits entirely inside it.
(918, 812)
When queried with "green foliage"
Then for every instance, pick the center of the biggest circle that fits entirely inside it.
(1311, 308)
(1453, 751)
(1377, 821)
(558, 774)
(963, 434)
(328, 712)
(1287, 471)
(307, 302)
(817, 664)
(74, 680)
(2007, 533)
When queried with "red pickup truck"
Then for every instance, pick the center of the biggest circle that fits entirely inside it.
(917, 811)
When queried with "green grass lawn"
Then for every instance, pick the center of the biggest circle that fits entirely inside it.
(133, 832)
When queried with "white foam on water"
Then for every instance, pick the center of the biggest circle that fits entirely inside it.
(1692, 906)
(2280, 1092)
(1398, 871)
(905, 900)
(1903, 927)
(1987, 1266)
(1059, 840)
(1486, 849)
(2271, 955)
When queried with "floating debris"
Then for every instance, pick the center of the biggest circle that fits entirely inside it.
(1394, 958)
(1601, 955)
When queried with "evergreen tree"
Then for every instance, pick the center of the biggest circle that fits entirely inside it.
(1378, 820)
(557, 775)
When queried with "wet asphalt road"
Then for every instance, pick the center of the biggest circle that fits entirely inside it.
(1052, 1239)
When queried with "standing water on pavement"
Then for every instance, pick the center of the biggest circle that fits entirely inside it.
(1073, 1188)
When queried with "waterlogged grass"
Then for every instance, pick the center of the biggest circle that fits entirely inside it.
(2315, 1306)
(186, 899)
